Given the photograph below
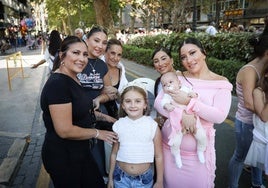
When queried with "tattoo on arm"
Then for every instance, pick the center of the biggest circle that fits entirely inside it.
(100, 116)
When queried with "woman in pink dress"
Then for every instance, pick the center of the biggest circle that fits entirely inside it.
(212, 106)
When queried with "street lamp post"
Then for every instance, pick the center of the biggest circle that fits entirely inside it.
(194, 15)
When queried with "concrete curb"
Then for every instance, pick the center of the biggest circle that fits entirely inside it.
(10, 164)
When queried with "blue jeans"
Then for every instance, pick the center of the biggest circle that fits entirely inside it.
(244, 136)
(123, 179)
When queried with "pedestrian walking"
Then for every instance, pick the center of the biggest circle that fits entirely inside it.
(51, 51)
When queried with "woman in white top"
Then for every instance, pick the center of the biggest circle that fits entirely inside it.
(116, 72)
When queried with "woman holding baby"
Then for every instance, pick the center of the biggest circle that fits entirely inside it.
(211, 106)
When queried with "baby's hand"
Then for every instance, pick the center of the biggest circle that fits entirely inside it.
(169, 107)
(192, 95)
(188, 123)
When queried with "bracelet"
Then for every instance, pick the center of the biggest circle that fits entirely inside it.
(97, 133)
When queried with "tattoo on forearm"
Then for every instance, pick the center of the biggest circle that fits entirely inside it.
(100, 116)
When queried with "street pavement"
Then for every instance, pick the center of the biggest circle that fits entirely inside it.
(21, 126)
(21, 129)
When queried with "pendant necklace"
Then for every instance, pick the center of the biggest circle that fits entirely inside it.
(93, 67)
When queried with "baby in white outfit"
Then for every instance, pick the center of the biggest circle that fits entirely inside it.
(170, 82)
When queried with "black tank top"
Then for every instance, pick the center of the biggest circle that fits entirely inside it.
(118, 83)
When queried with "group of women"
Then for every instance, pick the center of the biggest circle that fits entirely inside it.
(80, 82)
(88, 74)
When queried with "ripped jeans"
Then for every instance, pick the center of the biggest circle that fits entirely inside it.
(123, 179)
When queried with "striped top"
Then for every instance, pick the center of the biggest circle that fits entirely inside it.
(242, 113)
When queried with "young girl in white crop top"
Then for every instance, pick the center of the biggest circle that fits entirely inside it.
(139, 143)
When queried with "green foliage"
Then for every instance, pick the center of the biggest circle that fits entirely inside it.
(227, 68)
(224, 46)
(78, 10)
(148, 41)
(114, 7)
(228, 46)
(139, 55)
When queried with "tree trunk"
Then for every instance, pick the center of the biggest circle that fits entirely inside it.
(103, 13)
(132, 23)
(148, 23)
(64, 25)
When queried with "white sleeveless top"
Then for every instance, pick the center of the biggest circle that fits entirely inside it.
(135, 139)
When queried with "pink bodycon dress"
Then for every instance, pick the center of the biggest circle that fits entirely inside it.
(212, 106)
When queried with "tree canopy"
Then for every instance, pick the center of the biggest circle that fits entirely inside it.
(70, 14)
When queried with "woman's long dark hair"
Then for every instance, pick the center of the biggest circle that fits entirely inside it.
(260, 42)
(64, 48)
(263, 82)
(54, 42)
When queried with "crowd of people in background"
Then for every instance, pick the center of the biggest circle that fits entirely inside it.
(33, 41)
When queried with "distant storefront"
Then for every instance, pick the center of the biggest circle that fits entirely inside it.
(11, 14)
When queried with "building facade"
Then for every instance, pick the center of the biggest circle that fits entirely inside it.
(235, 12)
(241, 12)
(11, 14)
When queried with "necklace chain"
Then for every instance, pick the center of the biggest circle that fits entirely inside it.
(93, 67)
(110, 74)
